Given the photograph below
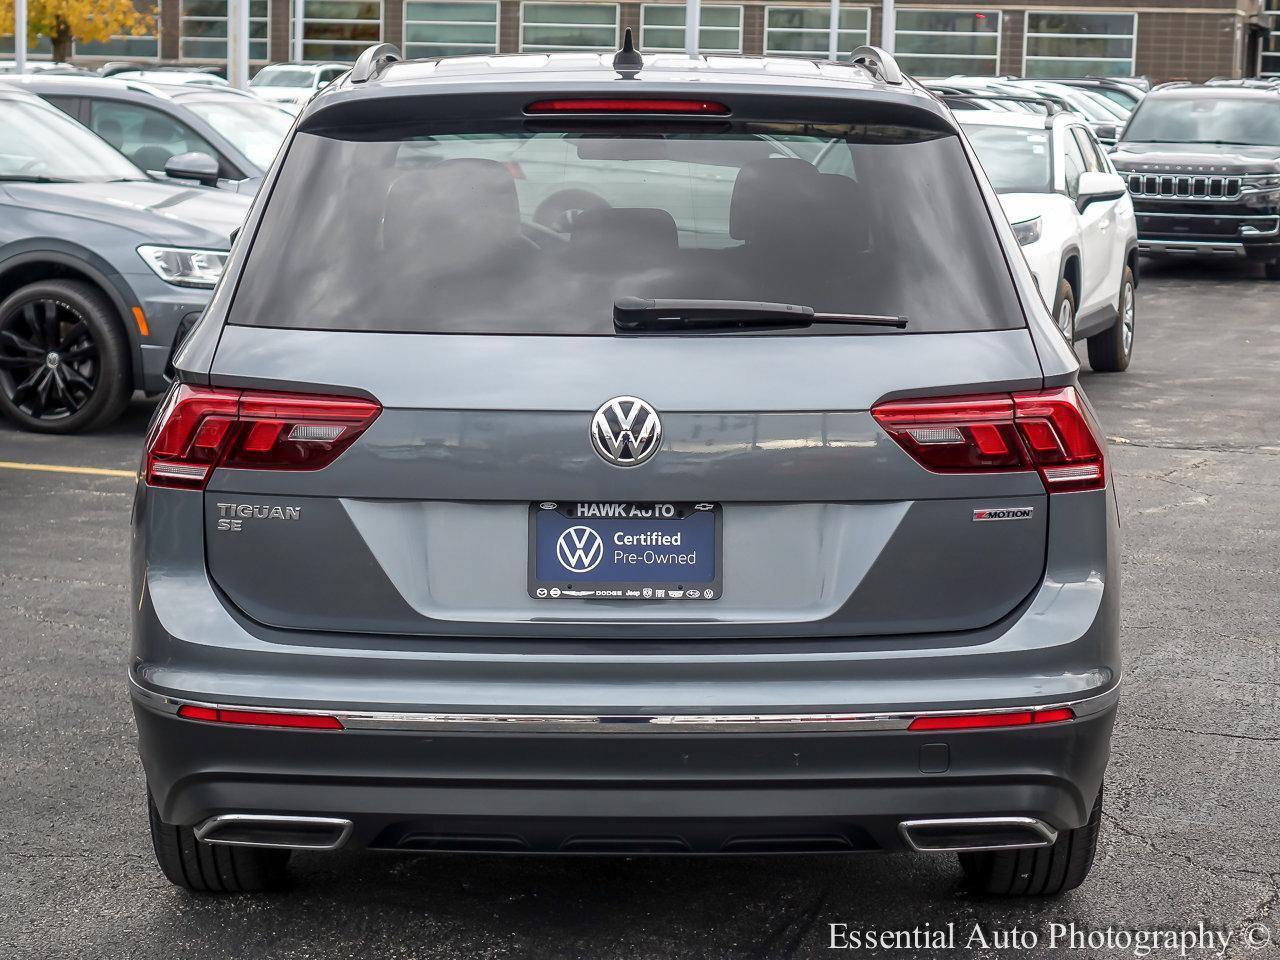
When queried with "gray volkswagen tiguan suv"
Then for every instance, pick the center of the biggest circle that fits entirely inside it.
(617, 455)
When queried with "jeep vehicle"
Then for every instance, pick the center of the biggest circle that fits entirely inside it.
(668, 456)
(1203, 165)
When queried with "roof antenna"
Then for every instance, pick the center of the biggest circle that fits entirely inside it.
(628, 59)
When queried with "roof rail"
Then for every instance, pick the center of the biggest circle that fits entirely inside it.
(371, 61)
(1251, 83)
(879, 63)
(1168, 84)
(952, 93)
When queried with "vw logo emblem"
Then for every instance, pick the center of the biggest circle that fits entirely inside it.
(579, 549)
(626, 431)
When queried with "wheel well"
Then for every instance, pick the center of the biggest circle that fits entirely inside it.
(1131, 261)
(1071, 273)
(25, 273)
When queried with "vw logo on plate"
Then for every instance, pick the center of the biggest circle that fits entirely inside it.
(626, 431)
(579, 549)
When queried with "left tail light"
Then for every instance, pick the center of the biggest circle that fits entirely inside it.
(202, 428)
(1045, 430)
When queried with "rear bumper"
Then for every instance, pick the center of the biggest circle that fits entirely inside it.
(787, 786)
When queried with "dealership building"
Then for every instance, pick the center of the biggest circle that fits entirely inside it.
(1162, 39)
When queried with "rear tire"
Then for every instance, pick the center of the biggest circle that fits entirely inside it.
(1064, 312)
(1271, 269)
(1041, 872)
(64, 358)
(213, 868)
(1111, 350)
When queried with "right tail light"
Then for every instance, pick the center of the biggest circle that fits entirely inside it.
(1046, 430)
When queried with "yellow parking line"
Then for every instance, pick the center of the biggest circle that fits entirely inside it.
(57, 468)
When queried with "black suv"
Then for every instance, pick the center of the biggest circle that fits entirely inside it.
(1203, 164)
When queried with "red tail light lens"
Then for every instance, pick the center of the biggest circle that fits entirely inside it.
(1048, 431)
(986, 721)
(597, 105)
(201, 428)
(253, 718)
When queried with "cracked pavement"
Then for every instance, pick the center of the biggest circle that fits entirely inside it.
(1192, 826)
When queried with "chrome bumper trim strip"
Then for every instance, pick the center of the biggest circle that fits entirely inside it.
(623, 723)
(1226, 248)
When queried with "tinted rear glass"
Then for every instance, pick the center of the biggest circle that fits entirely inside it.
(512, 232)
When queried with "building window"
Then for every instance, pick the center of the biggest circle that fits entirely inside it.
(939, 43)
(456, 29)
(339, 29)
(204, 30)
(1271, 50)
(803, 31)
(125, 45)
(1080, 44)
(662, 28)
(43, 49)
(547, 27)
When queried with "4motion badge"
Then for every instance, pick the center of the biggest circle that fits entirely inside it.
(1003, 513)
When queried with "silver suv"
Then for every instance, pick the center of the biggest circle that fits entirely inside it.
(632, 456)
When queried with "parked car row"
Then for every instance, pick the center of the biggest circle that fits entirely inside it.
(100, 264)
(1190, 170)
(1200, 164)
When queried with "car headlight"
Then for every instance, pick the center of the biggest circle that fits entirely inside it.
(184, 266)
(1028, 231)
(1261, 184)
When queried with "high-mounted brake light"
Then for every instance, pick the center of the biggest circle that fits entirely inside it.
(985, 721)
(201, 428)
(253, 718)
(618, 105)
(1047, 430)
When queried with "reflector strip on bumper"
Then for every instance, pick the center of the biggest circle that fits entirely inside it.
(648, 724)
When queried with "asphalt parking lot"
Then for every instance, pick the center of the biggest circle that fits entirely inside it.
(1192, 826)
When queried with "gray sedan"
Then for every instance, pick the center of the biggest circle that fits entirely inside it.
(99, 265)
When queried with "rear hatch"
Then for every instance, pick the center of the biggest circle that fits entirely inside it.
(470, 288)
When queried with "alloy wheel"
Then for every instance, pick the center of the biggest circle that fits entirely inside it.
(49, 362)
(1067, 321)
(1128, 317)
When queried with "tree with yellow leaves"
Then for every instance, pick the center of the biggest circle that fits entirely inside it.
(64, 21)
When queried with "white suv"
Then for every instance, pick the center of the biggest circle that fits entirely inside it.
(290, 85)
(1072, 215)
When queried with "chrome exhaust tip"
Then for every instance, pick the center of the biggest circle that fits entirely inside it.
(975, 834)
(271, 830)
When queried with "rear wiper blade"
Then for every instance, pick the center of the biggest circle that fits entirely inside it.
(638, 314)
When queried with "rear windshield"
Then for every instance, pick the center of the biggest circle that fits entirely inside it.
(1016, 160)
(517, 232)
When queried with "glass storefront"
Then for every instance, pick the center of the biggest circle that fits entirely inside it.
(940, 43)
(794, 31)
(450, 29)
(204, 30)
(662, 28)
(1061, 44)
